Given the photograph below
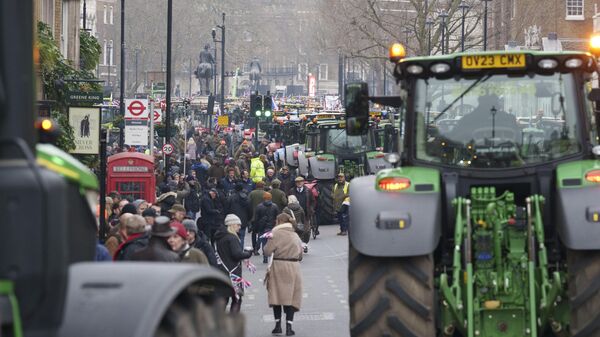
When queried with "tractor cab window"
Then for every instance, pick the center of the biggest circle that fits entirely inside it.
(496, 120)
(338, 142)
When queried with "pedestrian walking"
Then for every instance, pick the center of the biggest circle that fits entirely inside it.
(340, 193)
(230, 256)
(257, 168)
(286, 178)
(178, 212)
(210, 213)
(199, 240)
(256, 197)
(238, 203)
(158, 248)
(305, 198)
(279, 196)
(284, 279)
(137, 238)
(180, 245)
(265, 216)
(295, 211)
(119, 235)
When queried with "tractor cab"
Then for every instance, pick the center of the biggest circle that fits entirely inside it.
(330, 150)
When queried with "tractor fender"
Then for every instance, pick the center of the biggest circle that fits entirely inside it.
(575, 217)
(375, 165)
(322, 169)
(303, 168)
(290, 150)
(130, 298)
(375, 218)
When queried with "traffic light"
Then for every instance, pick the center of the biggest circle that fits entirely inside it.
(268, 105)
(256, 105)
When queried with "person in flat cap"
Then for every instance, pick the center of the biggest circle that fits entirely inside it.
(279, 196)
(177, 212)
(306, 199)
(158, 248)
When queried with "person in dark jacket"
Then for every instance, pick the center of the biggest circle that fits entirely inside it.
(229, 182)
(265, 216)
(137, 238)
(305, 198)
(245, 180)
(158, 248)
(180, 245)
(197, 239)
(286, 178)
(238, 203)
(230, 255)
(192, 200)
(279, 196)
(256, 197)
(166, 200)
(210, 213)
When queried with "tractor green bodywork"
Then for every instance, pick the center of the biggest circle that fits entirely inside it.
(509, 192)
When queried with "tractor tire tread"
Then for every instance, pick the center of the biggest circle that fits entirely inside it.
(391, 296)
(584, 292)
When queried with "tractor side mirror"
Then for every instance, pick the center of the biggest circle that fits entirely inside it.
(357, 108)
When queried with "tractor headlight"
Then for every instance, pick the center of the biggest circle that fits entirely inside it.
(547, 64)
(573, 63)
(439, 68)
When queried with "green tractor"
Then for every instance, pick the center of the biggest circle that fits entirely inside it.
(329, 150)
(489, 223)
(49, 284)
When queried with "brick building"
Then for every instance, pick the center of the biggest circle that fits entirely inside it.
(571, 20)
(64, 18)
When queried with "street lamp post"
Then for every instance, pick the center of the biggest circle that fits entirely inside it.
(168, 84)
(443, 15)
(464, 8)
(485, 24)
(214, 37)
(222, 103)
(429, 23)
(122, 79)
(109, 50)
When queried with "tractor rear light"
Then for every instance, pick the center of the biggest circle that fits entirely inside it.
(393, 184)
(295, 154)
(593, 176)
(379, 155)
(321, 158)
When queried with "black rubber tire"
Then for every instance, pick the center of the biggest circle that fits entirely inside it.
(584, 292)
(391, 296)
(326, 213)
(191, 317)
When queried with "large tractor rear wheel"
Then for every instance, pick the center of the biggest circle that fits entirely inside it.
(391, 296)
(326, 213)
(584, 292)
(190, 316)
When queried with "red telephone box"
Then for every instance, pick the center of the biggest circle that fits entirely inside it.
(132, 175)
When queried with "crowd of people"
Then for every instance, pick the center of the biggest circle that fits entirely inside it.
(203, 215)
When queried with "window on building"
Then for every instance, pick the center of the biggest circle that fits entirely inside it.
(323, 72)
(104, 53)
(111, 52)
(575, 10)
(111, 15)
(302, 71)
(105, 14)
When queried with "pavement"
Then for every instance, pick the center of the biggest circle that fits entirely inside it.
(324, 309)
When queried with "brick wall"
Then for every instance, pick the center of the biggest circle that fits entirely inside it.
(551, 17)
